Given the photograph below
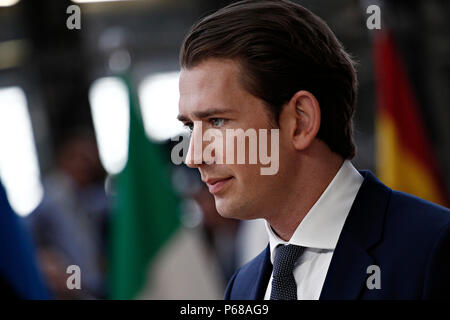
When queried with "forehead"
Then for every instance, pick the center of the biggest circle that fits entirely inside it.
(213, 83)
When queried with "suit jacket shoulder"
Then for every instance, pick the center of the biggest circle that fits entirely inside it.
(414, 250)
(420, 213)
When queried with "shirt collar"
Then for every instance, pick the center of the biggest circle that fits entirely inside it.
(323, 223)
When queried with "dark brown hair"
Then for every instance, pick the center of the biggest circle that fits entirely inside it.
(282, 48)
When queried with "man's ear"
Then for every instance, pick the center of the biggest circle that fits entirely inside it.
(302, 114)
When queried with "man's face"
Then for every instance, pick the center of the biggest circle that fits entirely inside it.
(211, 94)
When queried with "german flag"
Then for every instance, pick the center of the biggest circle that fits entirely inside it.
(404, 156)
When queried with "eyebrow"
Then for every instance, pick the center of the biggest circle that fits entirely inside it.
(203, 114)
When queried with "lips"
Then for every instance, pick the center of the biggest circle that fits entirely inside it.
(215, 185)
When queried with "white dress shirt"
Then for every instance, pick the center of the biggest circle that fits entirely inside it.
(319, 232)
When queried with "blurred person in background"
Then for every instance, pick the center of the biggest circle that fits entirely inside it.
(69, 226)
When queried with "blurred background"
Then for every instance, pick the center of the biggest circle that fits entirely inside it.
(88, 108)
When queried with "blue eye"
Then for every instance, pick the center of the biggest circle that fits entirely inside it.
(217, 122)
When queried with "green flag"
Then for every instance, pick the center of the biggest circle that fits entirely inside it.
(146, 209)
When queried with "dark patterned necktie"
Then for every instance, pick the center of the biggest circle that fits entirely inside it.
(283, 282)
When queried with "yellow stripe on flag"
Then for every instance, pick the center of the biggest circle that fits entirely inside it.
(398, 168)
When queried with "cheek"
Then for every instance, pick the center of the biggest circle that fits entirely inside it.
(246, 173)
(251, 186)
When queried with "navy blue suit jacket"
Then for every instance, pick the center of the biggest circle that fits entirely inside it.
(406, 237)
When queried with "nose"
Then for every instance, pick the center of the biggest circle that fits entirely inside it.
(194, 155)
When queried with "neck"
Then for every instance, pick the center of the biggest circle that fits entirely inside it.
(306, 187)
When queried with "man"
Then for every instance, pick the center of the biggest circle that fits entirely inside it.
(334, 232)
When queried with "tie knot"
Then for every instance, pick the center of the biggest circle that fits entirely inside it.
(285, 258)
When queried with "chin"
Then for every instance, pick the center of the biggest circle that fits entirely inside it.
(231, 209)
(225, 210)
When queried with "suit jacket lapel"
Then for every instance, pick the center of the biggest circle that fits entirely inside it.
(347, 273)
(262, 277)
